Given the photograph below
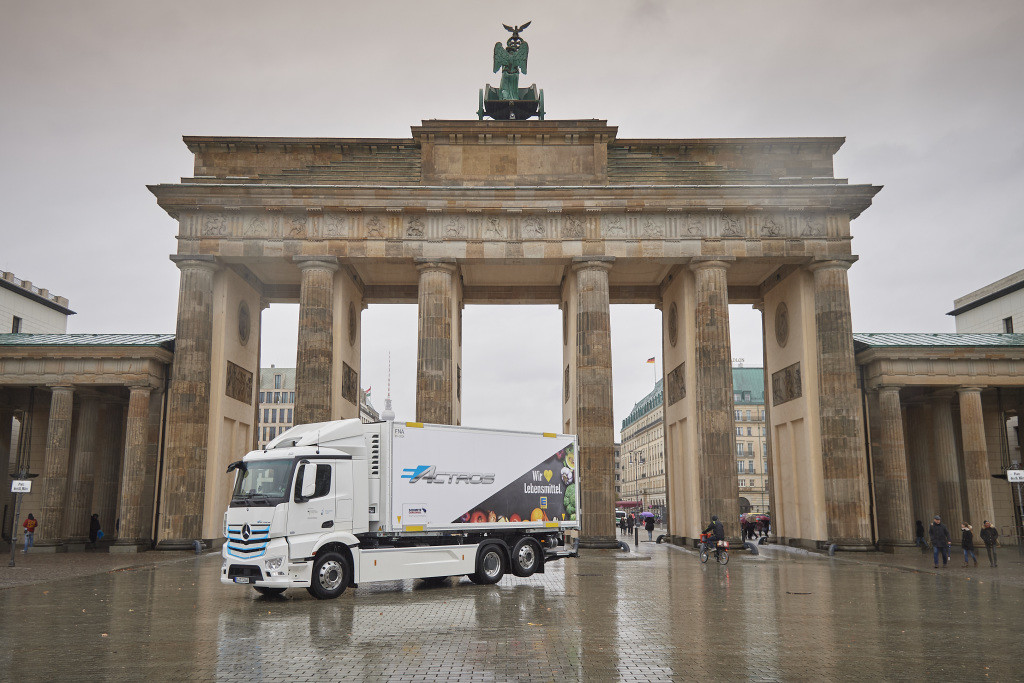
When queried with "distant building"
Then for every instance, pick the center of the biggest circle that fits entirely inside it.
(27, 309)
(618, 471)
(998, 307)
(277, 404)
(643, 447)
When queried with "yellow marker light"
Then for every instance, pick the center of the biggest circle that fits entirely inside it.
(417, 425)
(550, 435)
(554, 524)
(414, 528)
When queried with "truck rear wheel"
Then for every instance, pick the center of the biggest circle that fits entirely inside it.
(331, 575)
(526, 557)
(490, 566)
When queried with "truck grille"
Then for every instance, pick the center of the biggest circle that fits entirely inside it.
(248, 541)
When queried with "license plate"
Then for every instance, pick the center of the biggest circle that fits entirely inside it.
(241, 579)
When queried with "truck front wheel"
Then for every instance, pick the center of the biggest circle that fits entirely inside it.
(490, 566)
(331, 575)
(526, 557)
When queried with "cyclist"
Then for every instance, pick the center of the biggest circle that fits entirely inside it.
(717, 532)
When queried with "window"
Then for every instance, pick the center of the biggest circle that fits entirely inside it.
(748, 416)
(739, 451)
(323, 480)
(289, 416)
(750, 467)
(1007, 325)
(277, 381)
(739, 431)
(16, 325)
(266, 415)
(750, 448)
(273, 415)
(737, 415)
(749, 432)
(261, 397)
(740, 467)
(292, 399)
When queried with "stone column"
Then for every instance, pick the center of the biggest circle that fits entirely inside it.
(844, 462)
(79, 504)
(8, 450)
(716, 426)
(188, 409)
(978, 483)
(134, 526)
(594, 419)
(435, 364)
(892, 487)
(921, 455)
(769, 473)
(947, 470)
(316, 339)
(108, 452)
(55, 466)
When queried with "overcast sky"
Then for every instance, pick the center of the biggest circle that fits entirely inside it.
(96, 96)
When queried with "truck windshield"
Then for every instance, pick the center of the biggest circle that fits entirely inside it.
(264, 482)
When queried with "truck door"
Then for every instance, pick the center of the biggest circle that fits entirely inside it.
(313, 513)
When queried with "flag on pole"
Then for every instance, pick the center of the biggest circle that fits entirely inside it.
(650, 360)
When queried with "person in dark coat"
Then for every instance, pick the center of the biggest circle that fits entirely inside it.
(94, 529)
(649, 525)
(938, 534)
(919, 534)
(967, 543)
(629, 523)
(989, 535)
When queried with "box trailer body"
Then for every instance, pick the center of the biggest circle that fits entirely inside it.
(330, 505)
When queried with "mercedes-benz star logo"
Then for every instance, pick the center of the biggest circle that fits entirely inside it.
(246, 532)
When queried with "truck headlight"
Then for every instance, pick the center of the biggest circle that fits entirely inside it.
(274, 564)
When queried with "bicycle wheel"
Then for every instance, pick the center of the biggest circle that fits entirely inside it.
(723, 557)
(703, 555)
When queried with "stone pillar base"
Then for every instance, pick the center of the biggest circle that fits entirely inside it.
(74, 547)
(848, 546)
(599, 543)
(44, 548)
(118, 549)
(899, 548)
(176, 544)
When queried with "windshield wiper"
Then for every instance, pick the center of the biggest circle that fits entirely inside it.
(252, 499)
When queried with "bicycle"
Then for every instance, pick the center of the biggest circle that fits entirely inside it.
(721, 550)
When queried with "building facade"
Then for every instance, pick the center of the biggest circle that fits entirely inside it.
(643, 446)
(27, 309)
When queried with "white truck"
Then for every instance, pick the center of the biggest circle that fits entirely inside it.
(330, 505)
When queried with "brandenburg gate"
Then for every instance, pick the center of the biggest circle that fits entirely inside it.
(527, 212)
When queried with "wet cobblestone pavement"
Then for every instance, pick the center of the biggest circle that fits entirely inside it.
(654, 615)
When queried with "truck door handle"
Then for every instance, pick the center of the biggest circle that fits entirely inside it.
(327, 525)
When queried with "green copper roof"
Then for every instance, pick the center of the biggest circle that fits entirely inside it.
(165, 340)
(747, 382)
(866, 340)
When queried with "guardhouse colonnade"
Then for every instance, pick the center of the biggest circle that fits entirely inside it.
(514, 212)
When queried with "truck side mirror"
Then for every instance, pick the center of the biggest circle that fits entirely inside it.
(307, 482)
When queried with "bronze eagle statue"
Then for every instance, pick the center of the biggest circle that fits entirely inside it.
(511, 59)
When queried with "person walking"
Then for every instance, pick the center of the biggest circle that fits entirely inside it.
(649, 525)
(94, 529)
(30, 525)
(919, 535)
(629, 524)
(989, 535)
(967, 543)
(938, 534)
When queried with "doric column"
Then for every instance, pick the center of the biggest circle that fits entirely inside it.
(948, 472)
(55, 466)
(921, 455)
(892, 487)
(769, 472)
(844, 462)
(978, 477)
(79, 504)
(435, 355)
(594, 420)
(716, 431)
(188, 407)
(8, 450)
(316, 339)
(108, 452)
(133, 474)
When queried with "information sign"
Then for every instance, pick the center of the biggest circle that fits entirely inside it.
(1015, 476)
(25, 486)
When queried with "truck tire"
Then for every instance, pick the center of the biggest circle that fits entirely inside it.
(268, 591)
(526, 557)
(331, 575)
(490, 565)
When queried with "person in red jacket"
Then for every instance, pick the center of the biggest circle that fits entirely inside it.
(30, 525)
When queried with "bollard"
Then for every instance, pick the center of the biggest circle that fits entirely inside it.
(636, 536)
